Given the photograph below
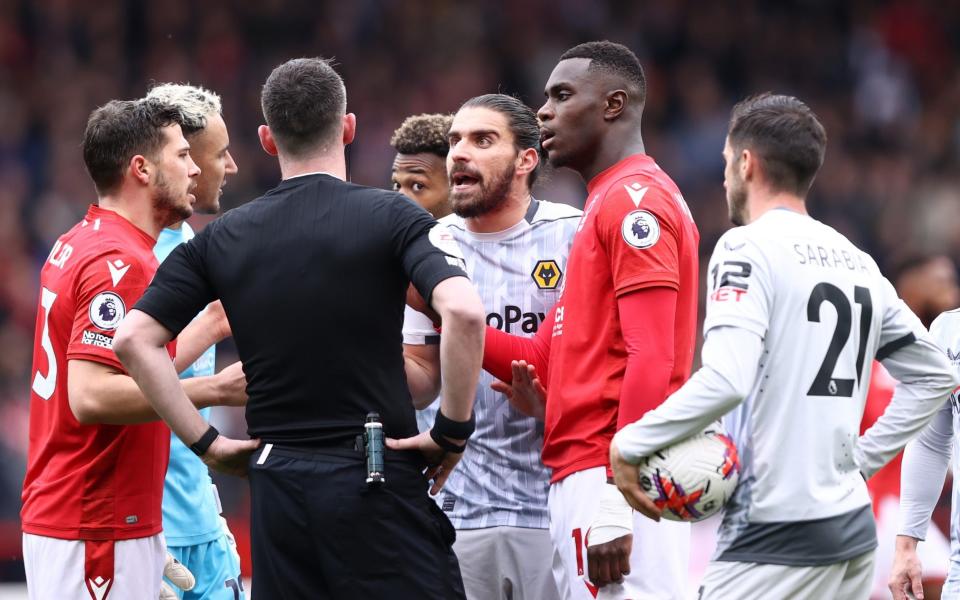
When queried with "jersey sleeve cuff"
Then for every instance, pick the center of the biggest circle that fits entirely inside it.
(730, 321)
(434, 280)
(110, 361)
(145, 305)
(648, 280)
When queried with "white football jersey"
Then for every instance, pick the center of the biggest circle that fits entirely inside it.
(501, 480)
(823, 311)
(926, 458)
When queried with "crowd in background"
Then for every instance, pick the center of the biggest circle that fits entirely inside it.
(884, 77)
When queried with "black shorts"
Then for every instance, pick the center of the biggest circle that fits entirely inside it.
(319, 532)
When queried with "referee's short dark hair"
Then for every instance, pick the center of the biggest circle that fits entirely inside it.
(786, 136)
(522, 122)
(120, 130)
(304, 101)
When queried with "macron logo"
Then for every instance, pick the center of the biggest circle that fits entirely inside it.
(98, 587)
(637, 192)
(117, 270)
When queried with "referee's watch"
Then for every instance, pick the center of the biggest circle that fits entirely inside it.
(200, 446)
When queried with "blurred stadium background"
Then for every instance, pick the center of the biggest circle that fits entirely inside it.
(883, 76)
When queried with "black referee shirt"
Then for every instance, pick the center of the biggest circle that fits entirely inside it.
(313, 277)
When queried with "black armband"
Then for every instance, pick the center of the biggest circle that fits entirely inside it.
(200, 446)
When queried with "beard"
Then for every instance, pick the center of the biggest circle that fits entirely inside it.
(166, 208)
(487, 197)
(737, 202)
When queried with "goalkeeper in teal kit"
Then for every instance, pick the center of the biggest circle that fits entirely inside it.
(197, 536)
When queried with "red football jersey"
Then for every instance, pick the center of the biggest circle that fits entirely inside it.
(636, 232)
(886, 481)
(93, 482)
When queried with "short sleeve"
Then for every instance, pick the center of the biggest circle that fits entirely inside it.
(900, 326)
(638, 231)
(418, 329)
(428, 251)
(181, 287)
(739, 285)
(107, 288)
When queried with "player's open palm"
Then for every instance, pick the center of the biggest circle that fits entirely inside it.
(230, 456)
(526, 392)
(907, 572)
(440, 462)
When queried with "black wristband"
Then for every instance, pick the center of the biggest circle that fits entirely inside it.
(444, 428)
(200, 446)
(447, 444)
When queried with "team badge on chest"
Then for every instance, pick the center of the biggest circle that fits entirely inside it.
(640, 229)
(546, 274)
(107, 310)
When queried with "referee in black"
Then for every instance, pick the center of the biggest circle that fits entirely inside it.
(313, 276)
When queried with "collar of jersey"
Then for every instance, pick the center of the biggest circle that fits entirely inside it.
(105, 214)
(312, 173)
(495, 236)
(615, 169)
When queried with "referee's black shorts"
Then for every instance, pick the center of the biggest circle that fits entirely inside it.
(319, 532)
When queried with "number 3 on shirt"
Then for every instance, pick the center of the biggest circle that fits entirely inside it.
(44, 385)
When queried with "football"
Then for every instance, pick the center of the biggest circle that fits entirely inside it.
(692, 479)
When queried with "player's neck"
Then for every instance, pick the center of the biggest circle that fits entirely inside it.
(504, 217)
(140, 213)
(333, 163)
(612, 150)
(764, 203)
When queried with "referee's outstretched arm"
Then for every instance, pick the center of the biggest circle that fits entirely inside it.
(461, 354)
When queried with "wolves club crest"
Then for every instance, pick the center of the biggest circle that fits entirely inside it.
(547, 274)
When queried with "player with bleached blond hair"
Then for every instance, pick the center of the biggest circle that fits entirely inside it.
(197, 536)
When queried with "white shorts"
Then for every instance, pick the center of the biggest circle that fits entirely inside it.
(506, 563)
(934, 552)
(658, 563)
(93, 570)
(848, 580)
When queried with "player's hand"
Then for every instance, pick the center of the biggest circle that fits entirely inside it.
(627, 478)
(441, 463)
(232, 384)
(526, 393)
(416, 302)
(906, 574)
(610, 539)
(230, 456)
(179, 575)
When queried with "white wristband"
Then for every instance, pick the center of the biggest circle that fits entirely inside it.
(614, 517)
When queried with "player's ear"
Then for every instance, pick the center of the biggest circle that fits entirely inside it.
(748, 165)
(267, 142)
(140, 169)
(527, 161)
(349, 128)
(616, 104)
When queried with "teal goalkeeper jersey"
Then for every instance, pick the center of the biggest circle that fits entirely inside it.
(191, 511)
